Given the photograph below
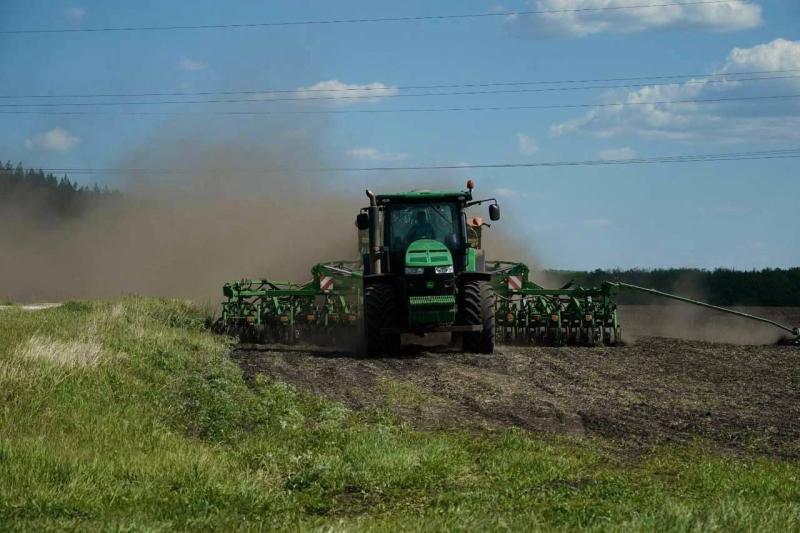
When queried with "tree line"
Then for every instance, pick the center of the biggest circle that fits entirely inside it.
(44, 195)
(768, 287)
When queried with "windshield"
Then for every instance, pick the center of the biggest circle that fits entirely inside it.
(410, 222)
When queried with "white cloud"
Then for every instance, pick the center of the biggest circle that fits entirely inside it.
(527, 144)
(76, 13)
(192, 64)
(345, 93)
(56, 140)
(776, 55)
(373, 154)
(737, 121)
(715, 17)
(615, 154)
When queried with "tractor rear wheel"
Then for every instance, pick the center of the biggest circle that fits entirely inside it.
(381, 310)
(476, 308)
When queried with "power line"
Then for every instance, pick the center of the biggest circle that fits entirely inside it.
(368, 88)
(752, 99)
(362, 97)
(789, 153)
(417, 18)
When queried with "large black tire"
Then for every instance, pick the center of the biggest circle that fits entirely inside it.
(381, 310)
(476, 307)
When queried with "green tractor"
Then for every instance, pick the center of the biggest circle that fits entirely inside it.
(424, 270)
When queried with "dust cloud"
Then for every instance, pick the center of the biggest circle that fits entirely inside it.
(211, 208)
(682, 321)
(669, 318)
(207, 212)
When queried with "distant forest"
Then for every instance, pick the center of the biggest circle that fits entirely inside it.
(768, 287)
(45, 198)
(32, 192)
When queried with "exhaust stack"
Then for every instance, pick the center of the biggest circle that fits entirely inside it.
(374, 249)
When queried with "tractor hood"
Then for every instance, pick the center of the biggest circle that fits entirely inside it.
(427, 253)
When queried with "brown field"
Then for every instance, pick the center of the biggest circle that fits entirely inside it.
(652, 390)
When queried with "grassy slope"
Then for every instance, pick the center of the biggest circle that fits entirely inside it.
(155, 428)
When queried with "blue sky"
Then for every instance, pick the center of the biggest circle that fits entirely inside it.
(742, 214)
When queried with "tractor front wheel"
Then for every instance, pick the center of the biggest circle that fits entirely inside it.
(381, 310)
(476, 307)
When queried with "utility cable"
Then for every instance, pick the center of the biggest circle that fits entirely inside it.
(730, 76)
(375, 96)
(789, 153)
(416, 18)
(752, 99)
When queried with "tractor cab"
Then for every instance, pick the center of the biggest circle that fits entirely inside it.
(420, 232)
(434, 222)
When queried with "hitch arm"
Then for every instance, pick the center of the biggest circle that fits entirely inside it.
(622, 285)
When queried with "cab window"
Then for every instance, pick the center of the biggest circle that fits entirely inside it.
(410, 222)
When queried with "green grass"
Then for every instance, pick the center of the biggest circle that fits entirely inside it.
(128, 415)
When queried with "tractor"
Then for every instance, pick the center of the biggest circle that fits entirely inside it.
(424, 271)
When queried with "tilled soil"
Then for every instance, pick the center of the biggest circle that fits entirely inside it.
(654, 390)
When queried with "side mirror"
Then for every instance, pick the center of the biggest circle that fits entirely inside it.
(362, 221)
(494, 212)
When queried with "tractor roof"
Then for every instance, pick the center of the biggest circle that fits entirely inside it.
(423, 196)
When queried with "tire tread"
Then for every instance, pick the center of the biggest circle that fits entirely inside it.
(477, 308)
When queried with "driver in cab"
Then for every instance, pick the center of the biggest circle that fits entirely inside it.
(422, 229)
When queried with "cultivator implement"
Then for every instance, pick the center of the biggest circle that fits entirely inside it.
(422, 270)
(328, 308)
(324, 310)
(528, 313)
